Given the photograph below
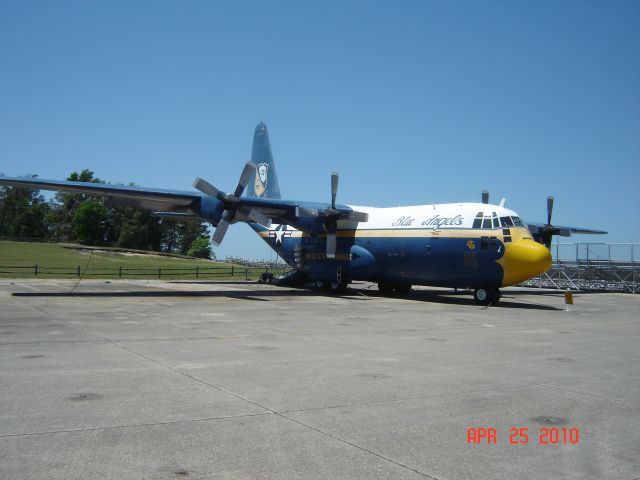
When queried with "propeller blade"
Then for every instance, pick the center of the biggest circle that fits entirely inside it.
(357, 216)
(256, 216)
(334, 189)
(331, 245)
(245, 176)
(485, 196)
(549, 209)
(205, 187)
(221, 231)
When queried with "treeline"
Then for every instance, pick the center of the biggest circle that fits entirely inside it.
(87, 219)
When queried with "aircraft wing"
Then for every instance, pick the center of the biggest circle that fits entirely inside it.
(305, 216)
(172, 203)
(138, 197)
(564, 231)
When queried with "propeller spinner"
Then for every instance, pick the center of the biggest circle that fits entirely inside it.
(231, 201)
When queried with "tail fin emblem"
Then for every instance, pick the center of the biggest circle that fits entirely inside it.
(260, 184)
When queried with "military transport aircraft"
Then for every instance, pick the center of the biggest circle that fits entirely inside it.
(465, 245)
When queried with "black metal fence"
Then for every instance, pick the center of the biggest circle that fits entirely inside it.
(246, 273)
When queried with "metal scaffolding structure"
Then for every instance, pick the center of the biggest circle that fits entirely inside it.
(592, 267)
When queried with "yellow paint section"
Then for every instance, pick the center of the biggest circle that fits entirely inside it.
(522, 260)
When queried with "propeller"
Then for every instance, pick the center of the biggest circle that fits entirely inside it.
(331, 215)
(232, 210)
(331, 218)
(547, 231)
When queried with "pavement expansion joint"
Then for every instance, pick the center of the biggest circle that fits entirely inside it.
(135, 425)
(347, 442)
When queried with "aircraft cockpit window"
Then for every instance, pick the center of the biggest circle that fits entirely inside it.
(506, 222)
(486, 220)
(477, 222)
(496, 222)
(517, 222)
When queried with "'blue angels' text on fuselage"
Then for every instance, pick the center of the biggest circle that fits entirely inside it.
(435, 222)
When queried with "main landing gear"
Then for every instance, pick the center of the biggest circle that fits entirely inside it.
(334, 287)
(487, 295)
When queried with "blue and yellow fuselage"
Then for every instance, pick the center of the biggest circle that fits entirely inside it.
(461, 245)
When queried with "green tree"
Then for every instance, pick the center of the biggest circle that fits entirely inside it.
(63, 208)
(90, 222)
(136, 229)
(22, 213)
(189, 231)
(200, 248)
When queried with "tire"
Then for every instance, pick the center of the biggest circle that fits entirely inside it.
(483, 296)
(496, 296)
(486, 296)
(338, 287)
(385, 288)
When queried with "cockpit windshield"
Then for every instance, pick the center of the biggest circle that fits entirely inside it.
(489, 220)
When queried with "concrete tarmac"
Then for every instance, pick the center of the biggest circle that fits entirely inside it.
(161, 380)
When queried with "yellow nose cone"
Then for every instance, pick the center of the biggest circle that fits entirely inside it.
(522, 260)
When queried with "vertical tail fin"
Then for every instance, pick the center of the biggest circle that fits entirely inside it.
(264, 183)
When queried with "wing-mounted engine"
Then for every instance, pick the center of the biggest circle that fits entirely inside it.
(234, 210)
(325, 221)
(544, 232)
(316, 220)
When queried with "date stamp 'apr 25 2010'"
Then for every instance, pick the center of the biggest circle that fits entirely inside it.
(524, 436)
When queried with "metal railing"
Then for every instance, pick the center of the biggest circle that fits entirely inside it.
(596, 267)
(23, 271)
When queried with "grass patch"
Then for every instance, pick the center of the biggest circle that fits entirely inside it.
(18, 260)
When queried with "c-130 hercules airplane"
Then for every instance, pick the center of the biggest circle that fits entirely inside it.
(463, 245)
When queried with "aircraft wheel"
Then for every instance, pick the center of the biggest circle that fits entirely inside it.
(483, 296)
(385, 288)
(496, 296)
(338, 287)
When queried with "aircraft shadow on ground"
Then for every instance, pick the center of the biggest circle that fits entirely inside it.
(461, 298)
(427, 296)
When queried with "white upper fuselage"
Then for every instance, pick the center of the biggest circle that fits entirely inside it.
(434, 216)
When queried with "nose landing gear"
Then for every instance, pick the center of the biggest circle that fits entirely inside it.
(487, 295)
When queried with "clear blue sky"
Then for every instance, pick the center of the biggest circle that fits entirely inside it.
(412, 102)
